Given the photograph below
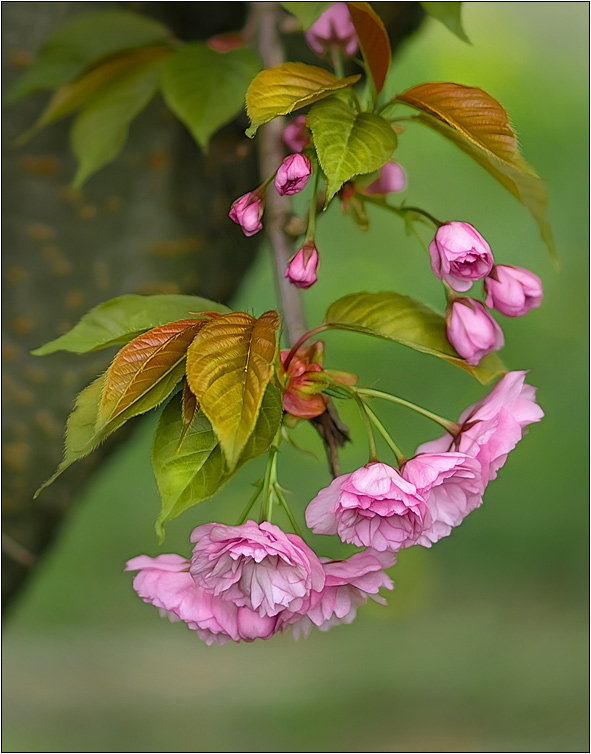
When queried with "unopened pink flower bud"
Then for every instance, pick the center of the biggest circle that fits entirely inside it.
(301, 270)
(296, 135)
(460, 255)
(513, 291)
(247, 211)
(392, 178)
(472, 331)
(293, 174)
(334, 28)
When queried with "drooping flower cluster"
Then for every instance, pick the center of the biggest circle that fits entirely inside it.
(380, 507)
(254, 580)
(249, 582)
(460, 256)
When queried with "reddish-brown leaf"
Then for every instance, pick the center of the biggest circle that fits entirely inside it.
(373, 41)
(143, 363)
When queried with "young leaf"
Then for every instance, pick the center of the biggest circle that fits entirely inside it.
(119, 320)
(205, 89)
(84, 88)
(84, 432)
(450, 15)
(348, 143)
(100, 130)
(306, 13)
(395, 317)
(373, 41)
(193, 471)
(476, 123)
(229, 365)
(83, 41)
(190, 409)
(288, 87)
(142, 364)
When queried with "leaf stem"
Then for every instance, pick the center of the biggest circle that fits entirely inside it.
(251, 502)
(449, 426)
(287, 509)
(300, 342)
(401, 210)
(269, 484)
(365, 413)
(400, 457)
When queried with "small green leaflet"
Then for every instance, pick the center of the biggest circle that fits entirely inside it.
(306, 13)
(450, 15)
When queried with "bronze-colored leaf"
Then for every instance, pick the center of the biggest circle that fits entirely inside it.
(143, 363)
(229, 365)
(479, 125)
(373, 41)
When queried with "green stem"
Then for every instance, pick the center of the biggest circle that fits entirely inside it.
(363, 409)
(400, 457)
(251, 502)
(450, 426)
(268, 485)
(401, 210)
(287, 509)
(301, 342)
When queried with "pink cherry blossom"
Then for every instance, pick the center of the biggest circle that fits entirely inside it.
(491, 428)
(257, 566)
(247, 211)
(348, 585)
(452, 486)
(293, 174)
(513, 291)
(296, 135)
(371, 507)
(302, 268)
(334, 29)
(166, 583)
(392, 179)
(472, 331)
(460, 255)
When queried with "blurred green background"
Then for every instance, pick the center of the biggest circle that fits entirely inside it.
(483, 645)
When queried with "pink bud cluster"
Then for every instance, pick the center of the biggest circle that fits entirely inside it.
(460, 256)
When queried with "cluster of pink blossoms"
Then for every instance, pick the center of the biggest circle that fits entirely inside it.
(460, 256)
(254, 580)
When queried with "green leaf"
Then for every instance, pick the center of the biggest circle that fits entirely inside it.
(348, 143)
(205, 89)
(83, 89)
(229, 365)
(288, 87)
(142, 364)
(100, 130)
(306, 13)
(196, 470)
(373, 41)
(119, 320)
(450, 15)
(476, 123)
(83, 41)
(400, 318)
(84, 430)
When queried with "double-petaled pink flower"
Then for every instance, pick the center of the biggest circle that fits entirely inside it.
(249, 582)
(491, 428)
(371, 507)
(451, 484)
(460, 255)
